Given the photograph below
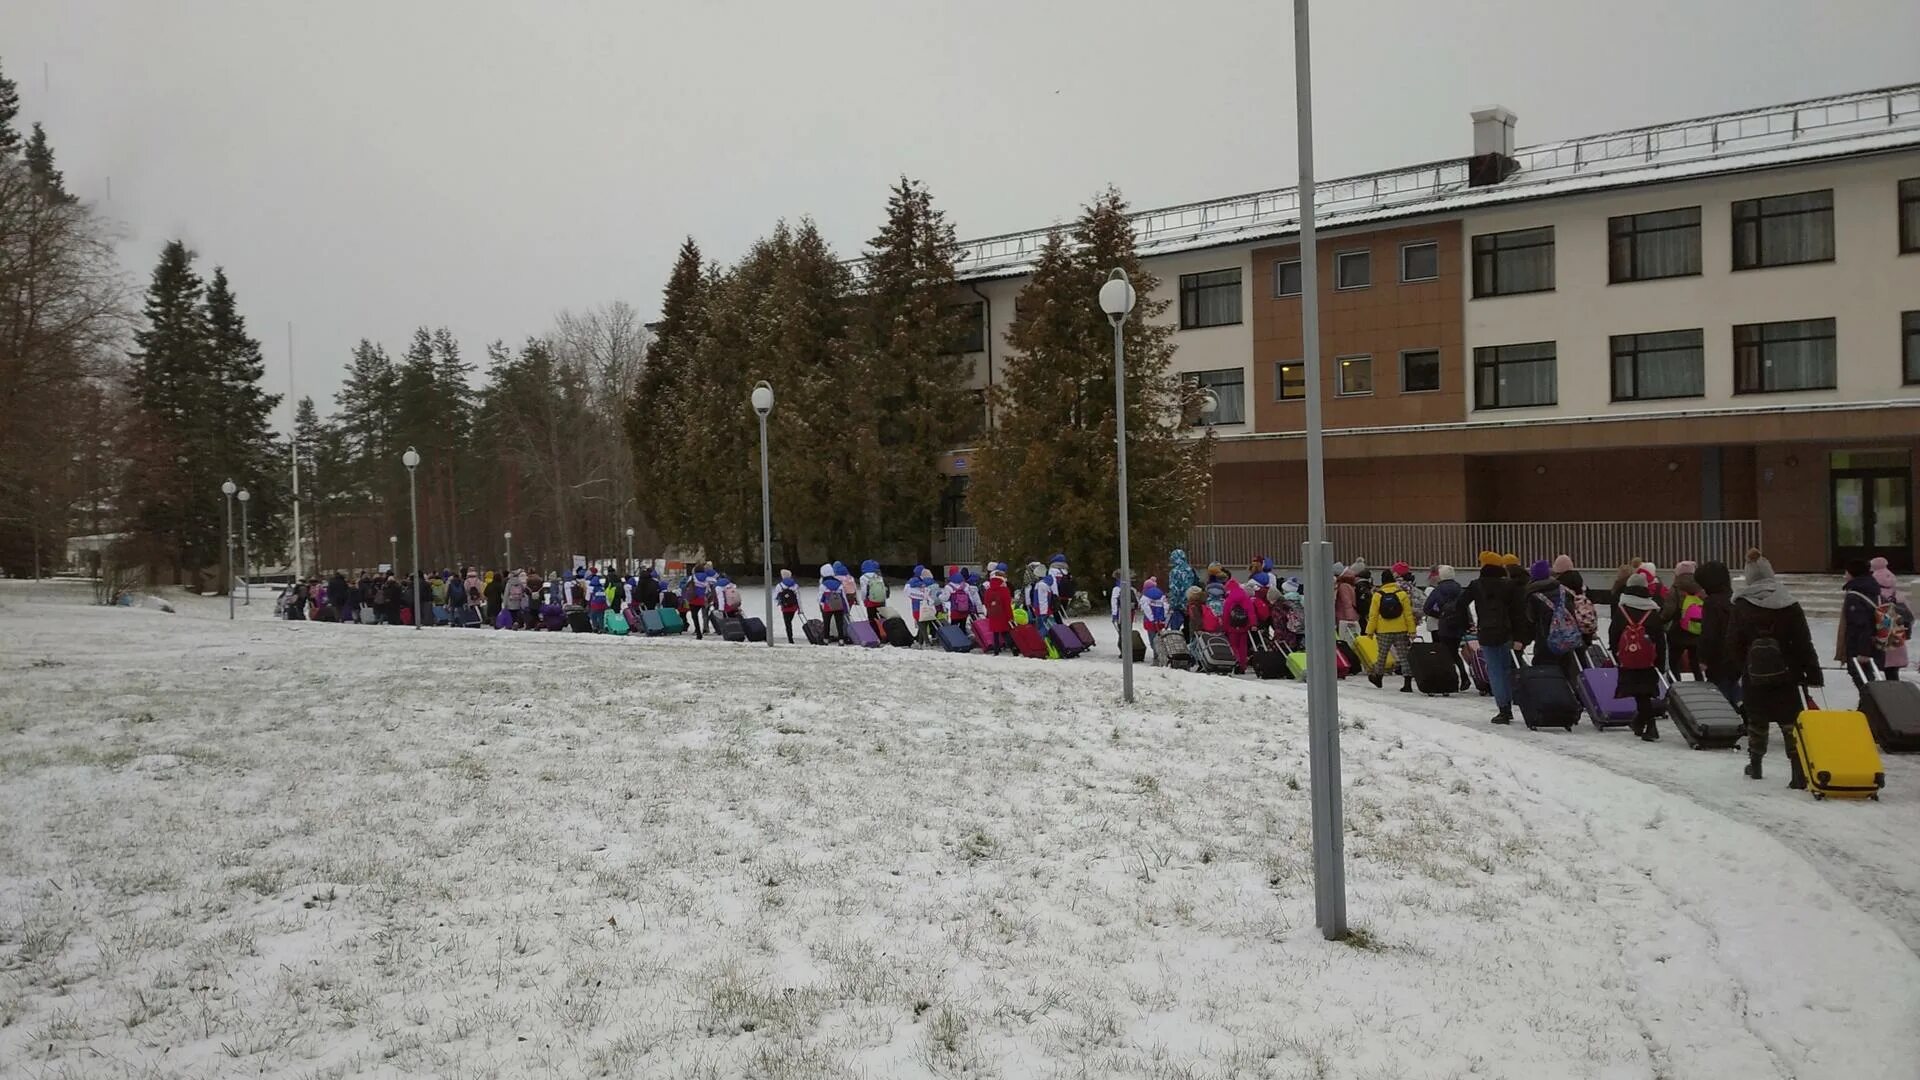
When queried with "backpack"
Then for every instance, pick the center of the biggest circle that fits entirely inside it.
(1767, 663)
(1693, 610)
(1390, 606)
(1237, 617)
(1887, 631)
(1563, 629)
(1064, 587)
(877, 591)
(788, 599)
(1295, 621)
(835, 601)
(1636, 648)
(1585, 616)
(960, 603)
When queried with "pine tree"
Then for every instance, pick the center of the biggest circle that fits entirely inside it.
(9, 108)
(309, 432)
(174, 488)
(246, 449)
(39, 159)
(1044, 481)
(907, 359)
(659, 414)
(366, 421)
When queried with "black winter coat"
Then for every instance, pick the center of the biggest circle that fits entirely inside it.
(1788, 626)
(1644, 682)
(1443, 602)
(1495, 602)
(1716, 622)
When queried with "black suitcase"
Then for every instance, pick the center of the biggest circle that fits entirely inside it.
(578, 622)
(733, 628)
(897, 633)
(1173, 650)
(1271, 664)
(1892, 708)
(1139, 648)
(1706, 719)
(815, 631)
(1212, 653)
(1434, 672)
(1545, 698)
(756, 629)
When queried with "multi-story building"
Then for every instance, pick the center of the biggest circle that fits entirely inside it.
(1710, 320)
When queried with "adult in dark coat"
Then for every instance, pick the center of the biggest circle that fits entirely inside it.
(1494, 599)
(1716, 623)
(1771, 675)
(496, 593)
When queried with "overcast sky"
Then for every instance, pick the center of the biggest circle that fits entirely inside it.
(365, 166)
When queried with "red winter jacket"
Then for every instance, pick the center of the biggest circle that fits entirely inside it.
(999, 604)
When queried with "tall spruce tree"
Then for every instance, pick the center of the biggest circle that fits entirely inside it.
(309, 435)
(914, 376)
(245, 447)
(39, 160)
(661, 411)
(173, 492)
(9, 109)
(1045, 479)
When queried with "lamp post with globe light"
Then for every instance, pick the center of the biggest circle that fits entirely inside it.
(228, 489)
(246, 561)
(1116, 299)
(629, 549)
(508, 537)
(411, 459)
(762, 400)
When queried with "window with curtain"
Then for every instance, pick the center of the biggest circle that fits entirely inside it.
(1515, 376)
(1910, 215)
(1356, 375)
(1352, 269)
(1229, 386)
(1770, 358)
(1420, 262)
(1508, 263)
(1419, 371)
(1783, 230)
(972, 320)
(1910, 346)
(1286, 277)
(1670, 364)
(1662, 244)
(1209, 299)
(1289, 380)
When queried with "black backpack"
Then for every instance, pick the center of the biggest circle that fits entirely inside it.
(1767, 664)
(1390, 605)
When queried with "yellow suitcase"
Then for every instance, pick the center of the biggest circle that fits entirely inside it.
(1368, 649)
(1836, 750)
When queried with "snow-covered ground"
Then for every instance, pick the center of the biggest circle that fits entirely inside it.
(295, 849)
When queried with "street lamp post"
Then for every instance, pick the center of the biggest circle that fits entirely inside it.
(1116, 299)
(629, 549)
(508, 536)
(762, 400)
(393, 553)
(1323, 714)
(1210, 409)
(246, 561)
(411, 459)
(228, 489)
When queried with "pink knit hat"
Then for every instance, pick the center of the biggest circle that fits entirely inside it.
(1884, 578)
(1685, 566)
(1562, 564)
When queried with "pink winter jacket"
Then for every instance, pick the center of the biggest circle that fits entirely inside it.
(1345, 607)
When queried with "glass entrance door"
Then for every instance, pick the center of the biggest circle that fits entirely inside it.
(1872, 515)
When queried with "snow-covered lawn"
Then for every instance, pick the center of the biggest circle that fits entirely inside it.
(292, 849)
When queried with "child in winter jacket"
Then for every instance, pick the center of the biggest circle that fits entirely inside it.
(1198, 617)
(1346, 605)
(1120, 589)
(873, 590)
(997, 603)
(1684, 612)
(1860, 617)
(1391, 620)
(1040, 597)
(1237, 614)
(726, 596)
(1893, 631)
(960, 604)
(1153, 614)
(833, 605)
(921, 602)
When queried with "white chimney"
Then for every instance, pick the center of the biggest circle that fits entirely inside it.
(1493, 132)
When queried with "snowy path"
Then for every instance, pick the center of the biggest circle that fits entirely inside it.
(335, 851)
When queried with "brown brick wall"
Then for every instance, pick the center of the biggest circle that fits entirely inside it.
(1358, 490)
(1380, 321)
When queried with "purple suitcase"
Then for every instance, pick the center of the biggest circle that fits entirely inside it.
(1066, 640)
(863, 634)
(1604, 707)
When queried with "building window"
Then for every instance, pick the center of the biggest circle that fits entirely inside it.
(1515, 376)
(1647, 367)
(1645, 247)
(1910, 216)
(1289, 380)
(1209, 299)
(1508, 263)
(970, 321)
(1229, 386)
(1352, 269)
(953, 504)
(1356, 375)
(1419, 371)
(1420, 262)
(1774, 357)
(1910, 346)
(976, 424)
(1783, 230)
(1286, 277)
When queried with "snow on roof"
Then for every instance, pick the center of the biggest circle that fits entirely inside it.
(1864, 122)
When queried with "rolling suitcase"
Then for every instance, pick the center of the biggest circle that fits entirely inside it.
(1892, 709)
(1065, 640)
(1545, 698)
(1212, 653)
(1706, 719)
(1173, 650)
(863, 634)
(954, 638)
(756, 629)
(982, 636)
(815, 631)
(733, 628)
(1085, 635)
(1434, 672)
(1366, 649)
(1297, 662)
(616, 624)
(897, 633)
(1346, 659)
(651, 624)
(1139, 648)
(1476, 666)
(578, 622)
(1270, 664)
(1598, 686)
(671, 622)
(1028, 642)
(1836, 752)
